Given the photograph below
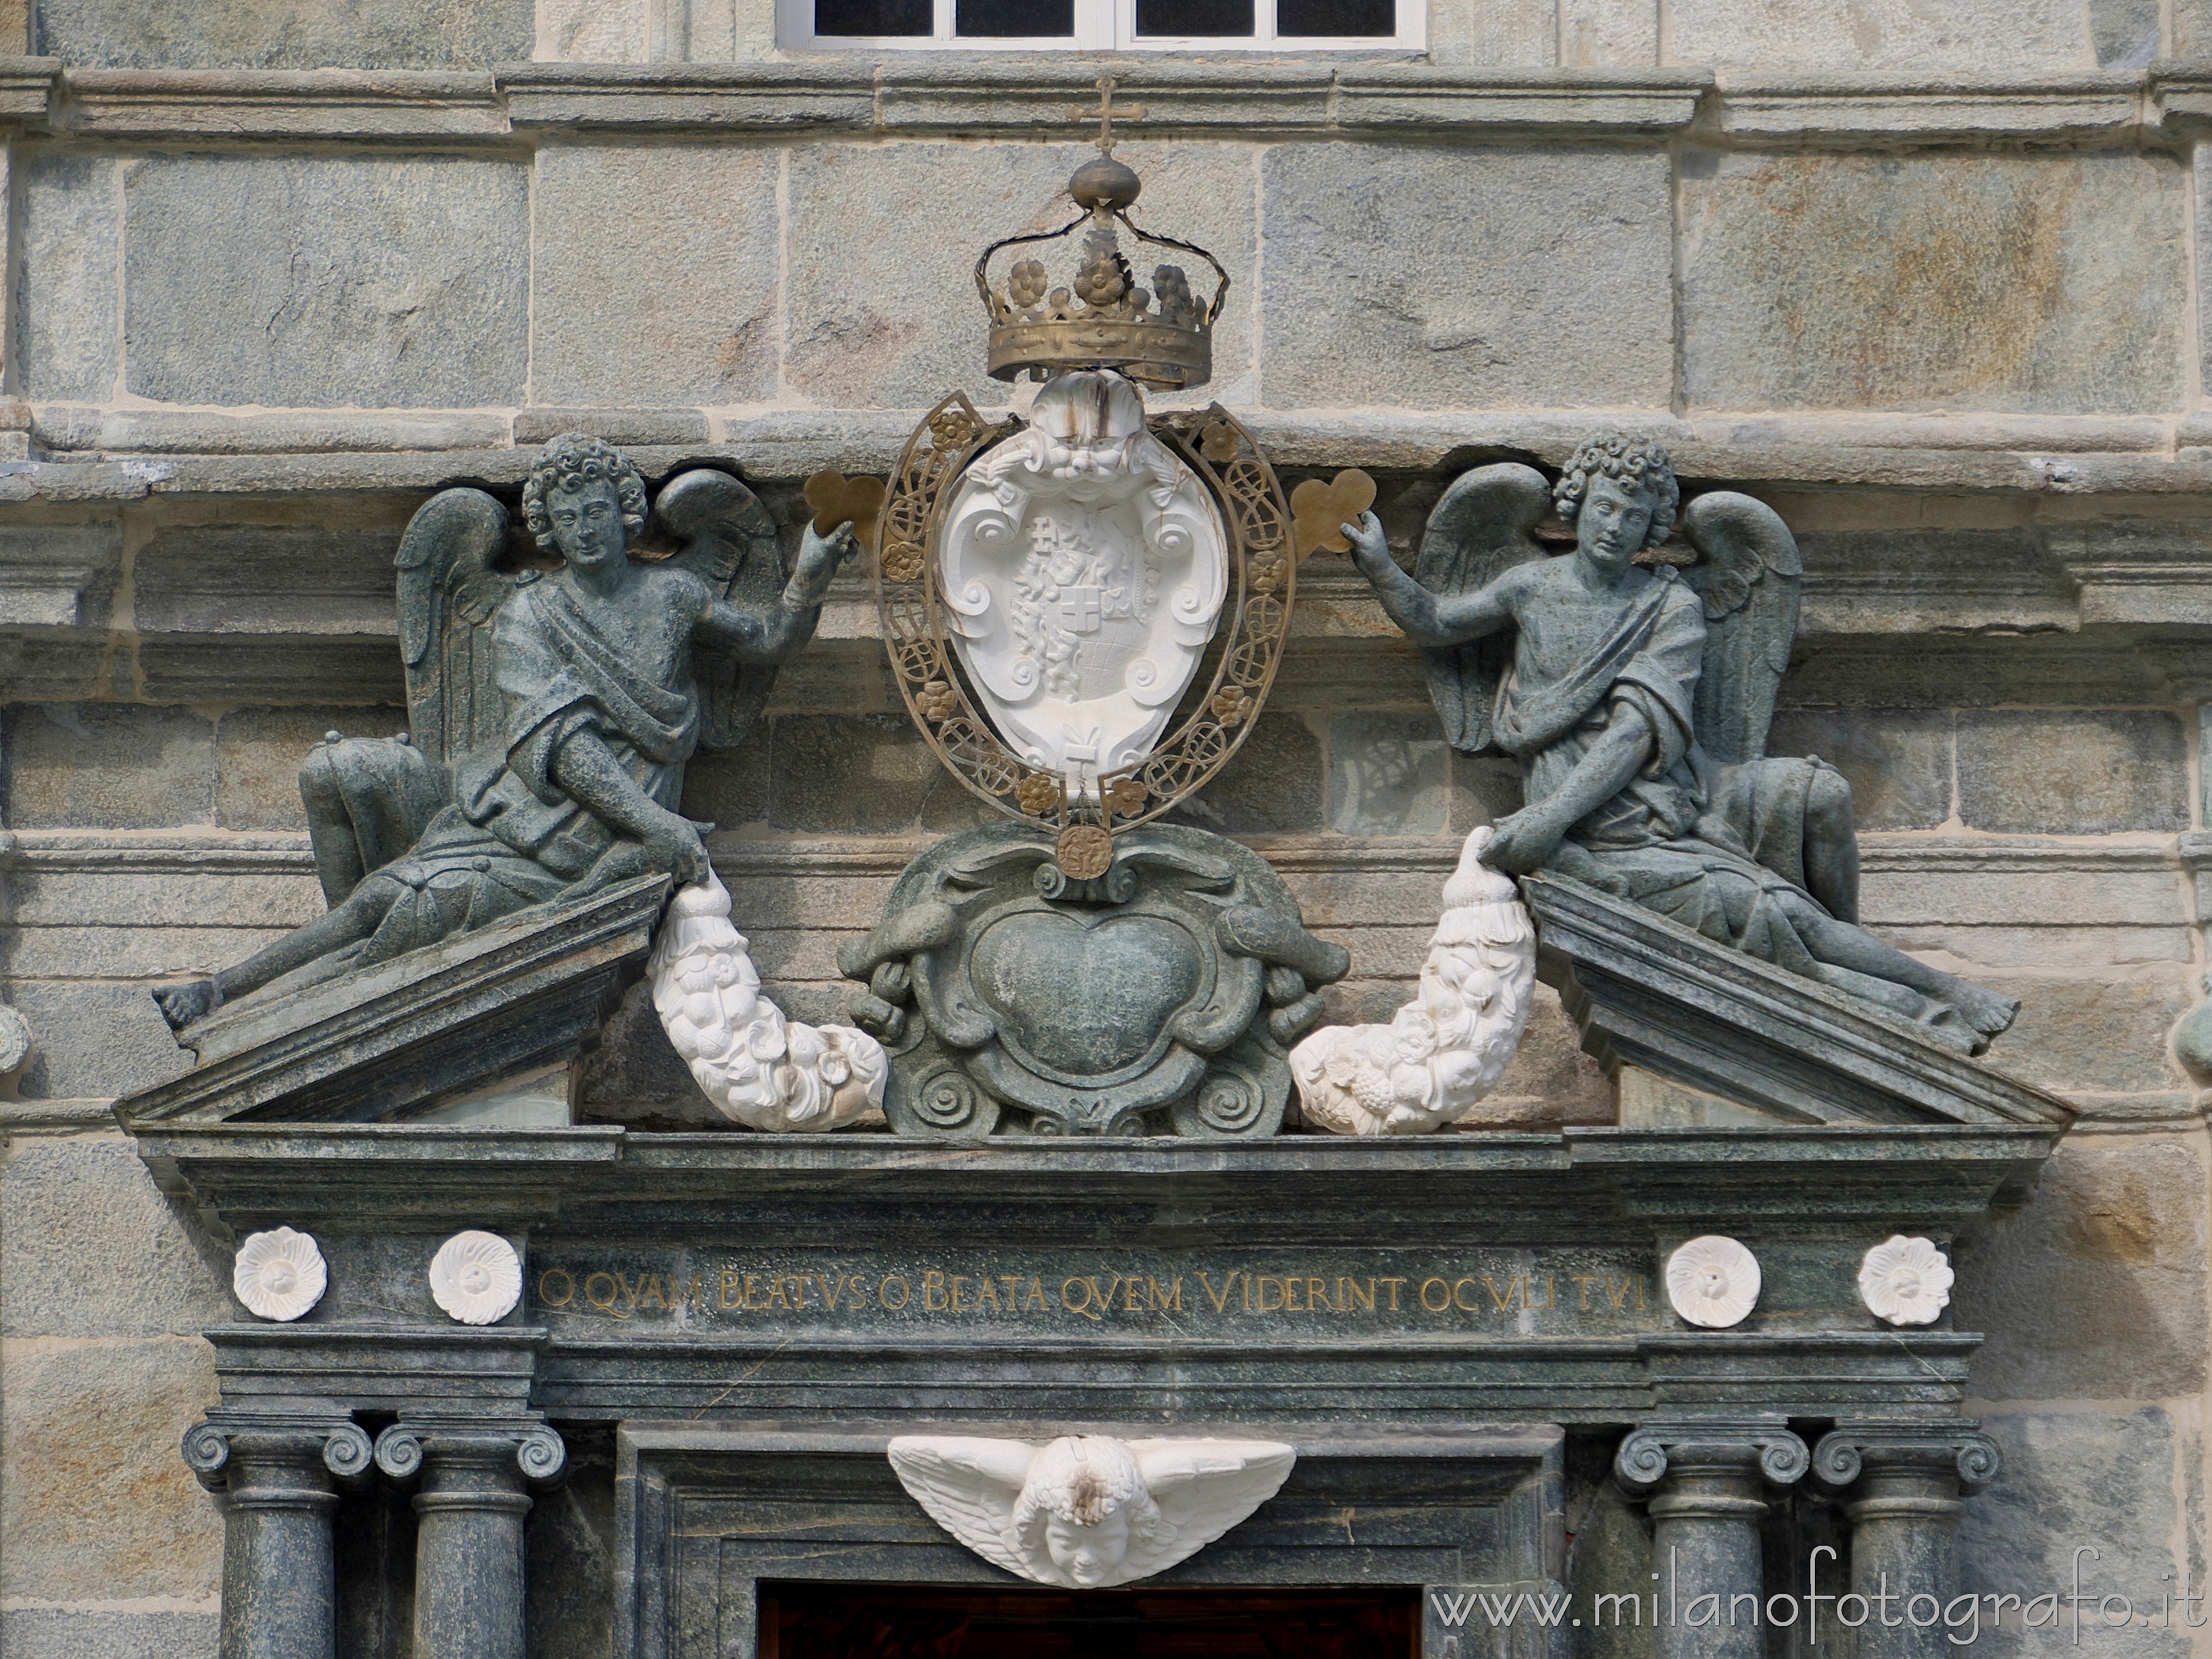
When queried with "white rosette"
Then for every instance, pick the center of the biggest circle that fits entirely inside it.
(279, 1274)
(476, 1277)
(1713, 1281)
(1905, 1281)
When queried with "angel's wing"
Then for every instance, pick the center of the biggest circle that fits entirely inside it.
(967, 1487)
(1748, 575)
(448, 595)
(729, 541)
(1204, 1487)
(1480, 530)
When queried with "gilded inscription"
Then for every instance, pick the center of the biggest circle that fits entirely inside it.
(706, 1292)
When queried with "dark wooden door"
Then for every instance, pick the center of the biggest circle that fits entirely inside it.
(847, 1621)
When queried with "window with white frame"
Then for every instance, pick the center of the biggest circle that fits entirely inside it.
(1102, 25)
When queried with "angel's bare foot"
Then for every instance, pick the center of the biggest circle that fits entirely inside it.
(1987, 1012)
(181, 1005)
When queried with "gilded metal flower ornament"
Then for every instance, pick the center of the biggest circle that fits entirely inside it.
(936, 701)
(1905, 1281)
(1040, 792)
(1713, 1281)
(279, 1274)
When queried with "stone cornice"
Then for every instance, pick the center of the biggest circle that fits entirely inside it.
(987, 94)
(187, 852)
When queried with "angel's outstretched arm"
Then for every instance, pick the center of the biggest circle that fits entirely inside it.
(591, 775)
(1527, 839)
(774, 634)
(1427, 618)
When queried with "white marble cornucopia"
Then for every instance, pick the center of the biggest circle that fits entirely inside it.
(476, 1277)
(759, 1069)
(1446, 1048)
(1905, 1281)
(1088, 1511)
(279, 1274)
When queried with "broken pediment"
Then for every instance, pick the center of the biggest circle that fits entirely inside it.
(1694, 1031)
(472, 1030)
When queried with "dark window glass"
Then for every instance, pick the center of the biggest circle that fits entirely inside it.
(872, 17)
(1336, 17)
(1229, 17)
(979, 19)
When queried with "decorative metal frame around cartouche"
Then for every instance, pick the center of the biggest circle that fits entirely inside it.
(1263, 569)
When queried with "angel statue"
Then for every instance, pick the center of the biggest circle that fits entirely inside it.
(1087, 1511)
(1636, 699)
(551, 713)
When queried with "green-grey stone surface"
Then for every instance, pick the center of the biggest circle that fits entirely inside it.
(293, 34)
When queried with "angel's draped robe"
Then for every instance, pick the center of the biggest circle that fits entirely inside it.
(1713, 849)
(511, 837)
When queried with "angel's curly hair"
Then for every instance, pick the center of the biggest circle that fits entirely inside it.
(1635, 463)
(571, 461)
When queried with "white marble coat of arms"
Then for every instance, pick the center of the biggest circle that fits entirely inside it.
(1088, 1511)
(1084, 567)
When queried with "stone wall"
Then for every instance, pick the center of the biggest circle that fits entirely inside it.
(1924, 276)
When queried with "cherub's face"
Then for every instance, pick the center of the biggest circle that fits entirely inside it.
(1610, 528)
(587, 523)
(1088, 1554)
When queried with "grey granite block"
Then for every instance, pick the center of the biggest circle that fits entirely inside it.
(1937, 281)
(686, 236)
(391, 282)
(93, 1249)
(119, 766)
(2072, 772)
(1473, 276)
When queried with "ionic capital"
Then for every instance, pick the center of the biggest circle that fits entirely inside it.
(214, 1450)
(531, 1451)
(1942, 1451)
(1709, 1445)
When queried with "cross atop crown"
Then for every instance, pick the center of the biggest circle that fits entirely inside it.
(1106, 115)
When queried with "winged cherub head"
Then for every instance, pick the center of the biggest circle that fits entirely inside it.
(1086, 1506)
(1620, 494)
(583, 499)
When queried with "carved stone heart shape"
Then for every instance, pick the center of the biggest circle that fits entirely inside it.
(1084, 1000)
(835, 498)
(1319, 510)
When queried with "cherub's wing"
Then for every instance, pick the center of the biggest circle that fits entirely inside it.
(1204, 1487)
(967, 1487)
(1749, 574)
(729, 542)
(1479, 529)
(448, 594)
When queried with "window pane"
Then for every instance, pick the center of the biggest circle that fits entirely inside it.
(979, 18)
(872, 17)
(1336, 17)
(1194, 17)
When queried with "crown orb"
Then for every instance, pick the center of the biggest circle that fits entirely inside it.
(1104, 183)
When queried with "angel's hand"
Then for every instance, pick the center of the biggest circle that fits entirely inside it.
(1370, 548)
(819, 557)
(1523, 841)
(674, 845)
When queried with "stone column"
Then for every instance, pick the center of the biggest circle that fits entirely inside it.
(468, 1552)
(276, 1482)
(1706, 1480)
(1901, 1482)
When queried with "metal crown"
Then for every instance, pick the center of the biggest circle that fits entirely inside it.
(1161, 336)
